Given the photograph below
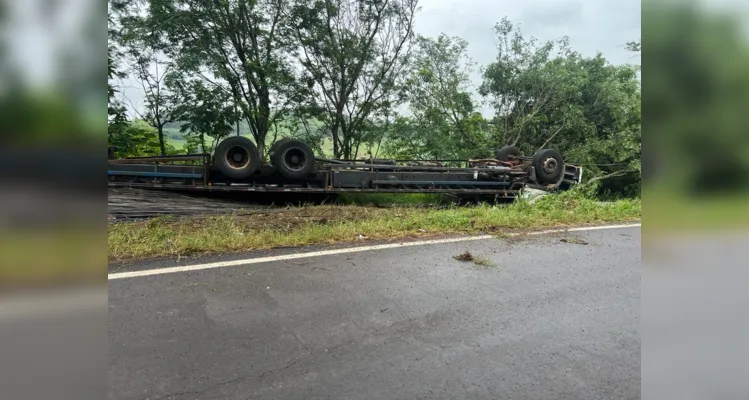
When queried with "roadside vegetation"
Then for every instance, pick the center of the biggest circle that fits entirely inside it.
(327, 224)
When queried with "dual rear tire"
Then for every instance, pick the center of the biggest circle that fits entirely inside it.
(292, 158)
(238, 158)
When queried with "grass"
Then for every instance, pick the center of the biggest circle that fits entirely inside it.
(392, 199)
(168, 236)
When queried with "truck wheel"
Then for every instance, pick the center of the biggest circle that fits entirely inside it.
(274, 147)
(549, 166)
(507, 152)
(237, 157)
(293, 159)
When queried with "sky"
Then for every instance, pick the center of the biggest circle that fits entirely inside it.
(592, 25)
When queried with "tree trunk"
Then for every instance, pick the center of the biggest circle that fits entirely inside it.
(346, 151)
(263, 122)
(261, 149)
(162, 145)
(334, 134)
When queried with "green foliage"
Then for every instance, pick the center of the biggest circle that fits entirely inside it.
(147, 61)
(240, 46)
(205, 111)
(445, 123)
(353, 52)
(116, 116)
(138, 139)
(546, 95)
(697, 97)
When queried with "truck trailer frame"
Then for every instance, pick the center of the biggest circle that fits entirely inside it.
(293, 168)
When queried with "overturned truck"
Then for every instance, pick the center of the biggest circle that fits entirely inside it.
(293, 168)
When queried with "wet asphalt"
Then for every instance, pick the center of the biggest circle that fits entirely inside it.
(544, 317)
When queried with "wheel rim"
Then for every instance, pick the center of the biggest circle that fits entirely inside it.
(294, 159)
(237, 157)
(550, 166)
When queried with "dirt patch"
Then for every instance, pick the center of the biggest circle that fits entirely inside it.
(573, 240)
(466, 256)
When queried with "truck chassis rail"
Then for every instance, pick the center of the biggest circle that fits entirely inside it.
(480, 177)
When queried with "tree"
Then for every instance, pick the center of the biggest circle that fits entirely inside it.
(526, 83)
(242, 44)
(353, 51)
(611, 109)
(634, 46)
(159, 100)
(546, 95)
(152, 67)
(137, 139)
(116, 115)
(205, 111)
(445, 122)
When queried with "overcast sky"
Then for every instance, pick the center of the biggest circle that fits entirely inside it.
(592, 25)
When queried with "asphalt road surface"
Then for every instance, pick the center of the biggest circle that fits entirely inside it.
(555, 317)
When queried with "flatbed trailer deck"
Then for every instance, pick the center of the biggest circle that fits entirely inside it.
(504, 176)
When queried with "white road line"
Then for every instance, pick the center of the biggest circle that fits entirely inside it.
(234, 263)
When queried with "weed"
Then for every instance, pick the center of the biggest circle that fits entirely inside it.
(483, 262)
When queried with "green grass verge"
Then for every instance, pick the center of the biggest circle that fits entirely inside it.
(345, 223)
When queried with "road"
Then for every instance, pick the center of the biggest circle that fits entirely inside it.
(555, 317)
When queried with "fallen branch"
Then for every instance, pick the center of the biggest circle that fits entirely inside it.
(608, 176)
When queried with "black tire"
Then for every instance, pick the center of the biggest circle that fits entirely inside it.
(293, 159)
(237, 157)
(274, 147)
(507, 152)
(549, 166)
